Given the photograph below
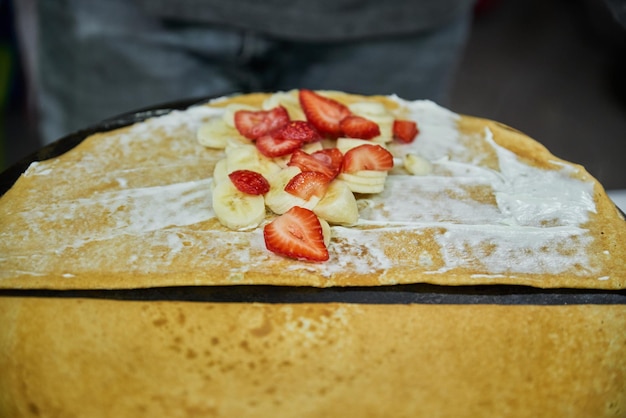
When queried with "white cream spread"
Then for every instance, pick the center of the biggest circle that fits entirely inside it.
(529, 221)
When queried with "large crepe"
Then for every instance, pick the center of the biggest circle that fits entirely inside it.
(131, 208)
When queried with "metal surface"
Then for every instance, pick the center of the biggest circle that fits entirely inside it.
(398, 294)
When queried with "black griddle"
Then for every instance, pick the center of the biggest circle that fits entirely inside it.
(420, 293)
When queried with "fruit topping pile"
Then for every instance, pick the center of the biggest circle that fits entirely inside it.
(303, 156)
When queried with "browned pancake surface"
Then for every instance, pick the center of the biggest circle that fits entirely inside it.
(98, 358)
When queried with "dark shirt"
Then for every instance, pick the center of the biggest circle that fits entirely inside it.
(313, 20)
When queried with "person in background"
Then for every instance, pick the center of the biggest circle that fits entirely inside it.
(98, 58)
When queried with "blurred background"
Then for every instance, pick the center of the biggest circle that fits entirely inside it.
(553, 69)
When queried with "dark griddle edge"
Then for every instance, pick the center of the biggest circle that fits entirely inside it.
(396, 294)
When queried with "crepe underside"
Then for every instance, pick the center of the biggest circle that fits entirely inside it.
(131, 208)
(102, 358)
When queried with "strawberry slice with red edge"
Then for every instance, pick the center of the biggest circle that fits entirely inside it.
(332, 157)
(272, 146)
(405, 130)
(322, 112)
(323, 161)
(296, 234)
(255, 123)
(298, 129)
(367, 157)
(287, 138)
(249, 182)
(308, 184)
(359, 127)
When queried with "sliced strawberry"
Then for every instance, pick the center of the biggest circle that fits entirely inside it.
(250, 182)
(308, 184)
(271, 146)
(254, 123)
(320, 161)
(296, 234)
(331, 157)
(358, 127)
(322, 112)
(405, 130)
(298, 129)
(367, 157)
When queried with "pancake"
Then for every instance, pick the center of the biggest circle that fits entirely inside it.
(131, 208)
(128, 213)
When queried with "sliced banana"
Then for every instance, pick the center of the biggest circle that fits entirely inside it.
(247, 157)
(365, 181)
(289, 100)
(282, 161)
(376, 112)
(237, 141)
(278, 200)
(220, 171)
(237, 210)
(338, 206)
(242, 156)
(312, 147)
(368, 175)
(365, 177)
(215, 133)
(417, 165)
(366, 188)
(229, 112)
(366, 108)
(326, 231)
(385, 124)
(346, 144)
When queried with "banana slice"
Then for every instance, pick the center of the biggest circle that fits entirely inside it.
(289, 100)
(238, 141)
(282, 161)
(278, 200)
(237, 210)
(247, 157)
(338, 206)
(366, 108)
(229, 112)
(365, 181)
(417, 165)
(312, 147)
(386, 131)
(215, 133)
(365, 177)
(346, 144)
(326, 231)
(220, 171)
(376, 112)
